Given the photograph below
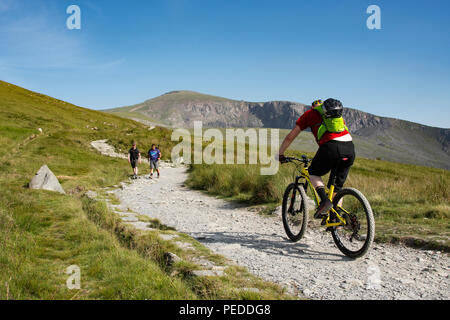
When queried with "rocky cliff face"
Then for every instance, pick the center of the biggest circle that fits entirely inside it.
(225, 114)
(444, 139)
(278, 114)
(179, 112)
(357, 120)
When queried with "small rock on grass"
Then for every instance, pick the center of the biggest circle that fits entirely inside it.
(46, 180)
(130, 218)
(91, 195)
(171, 258)
(208, 273)
(168, 237)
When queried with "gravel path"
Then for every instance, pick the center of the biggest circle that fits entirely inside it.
(314, 267)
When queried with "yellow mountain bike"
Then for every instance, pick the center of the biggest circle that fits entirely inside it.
(350, 221)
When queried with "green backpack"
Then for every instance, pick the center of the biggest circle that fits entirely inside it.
(329, 124)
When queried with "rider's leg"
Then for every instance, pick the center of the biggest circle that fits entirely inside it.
(325, 203)
(347, 152)
(316, 181)
(318, 184)
(323, 162)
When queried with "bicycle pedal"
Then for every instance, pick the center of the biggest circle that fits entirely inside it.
(329, 229)
(324, 221)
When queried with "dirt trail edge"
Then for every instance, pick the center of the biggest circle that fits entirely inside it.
(313, 267)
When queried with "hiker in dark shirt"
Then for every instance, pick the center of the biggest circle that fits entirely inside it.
(134, 158)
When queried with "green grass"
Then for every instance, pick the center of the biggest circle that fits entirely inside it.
(410, 203)
(150, 246)
(136, 115)
(42, 233)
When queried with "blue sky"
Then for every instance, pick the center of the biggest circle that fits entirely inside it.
(255, 50)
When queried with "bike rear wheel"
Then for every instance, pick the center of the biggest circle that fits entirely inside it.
(294, 212)
(355, 238)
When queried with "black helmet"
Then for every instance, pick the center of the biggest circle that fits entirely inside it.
(333, 108)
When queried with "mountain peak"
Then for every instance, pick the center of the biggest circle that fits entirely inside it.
(180, 92)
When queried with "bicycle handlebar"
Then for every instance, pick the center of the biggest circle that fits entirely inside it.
(304, 159)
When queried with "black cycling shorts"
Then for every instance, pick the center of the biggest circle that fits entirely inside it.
(335, 156)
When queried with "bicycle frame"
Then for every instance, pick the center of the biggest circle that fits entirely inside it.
(305, 175)
(336, 217)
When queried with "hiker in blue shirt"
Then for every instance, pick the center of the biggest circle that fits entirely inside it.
(154, 155)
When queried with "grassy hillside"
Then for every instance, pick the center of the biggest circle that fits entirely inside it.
(140, 118)
(43, 233)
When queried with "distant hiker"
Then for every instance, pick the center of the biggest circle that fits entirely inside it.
(154, 155)
(336, 150)
(134, 158)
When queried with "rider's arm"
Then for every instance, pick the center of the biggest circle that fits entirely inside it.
(289, 139)
(129, 159)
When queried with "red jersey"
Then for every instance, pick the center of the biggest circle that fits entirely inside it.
(312, 119)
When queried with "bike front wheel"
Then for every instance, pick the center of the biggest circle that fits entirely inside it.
(294, 212)
(356, 237)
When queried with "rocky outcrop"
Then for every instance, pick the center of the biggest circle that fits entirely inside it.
(278, 114)
(46, 180)
(106, 149)
(357, 120)
(214, 114)
(444, 139)
(171, 258)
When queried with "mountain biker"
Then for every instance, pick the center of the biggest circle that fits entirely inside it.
(134, 157)
(336, 150)
(154, 155)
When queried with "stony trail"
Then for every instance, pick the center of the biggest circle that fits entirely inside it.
(313, 267)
